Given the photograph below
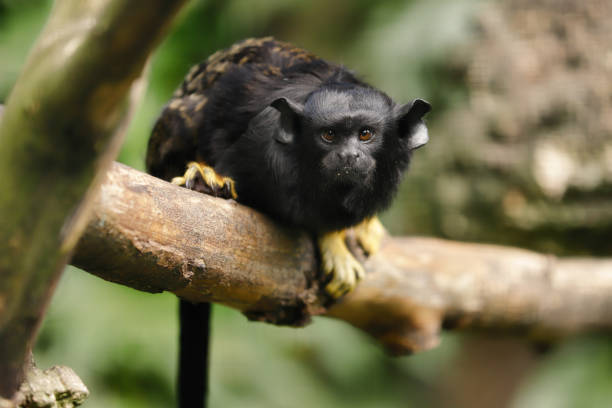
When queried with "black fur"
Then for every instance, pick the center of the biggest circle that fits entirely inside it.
(303, 180)
(279, 162)
(257, 113)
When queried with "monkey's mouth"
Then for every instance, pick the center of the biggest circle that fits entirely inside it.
(351, 175)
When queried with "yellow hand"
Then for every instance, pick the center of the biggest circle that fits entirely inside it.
(214, 183)
(369, 234)
(337, 261)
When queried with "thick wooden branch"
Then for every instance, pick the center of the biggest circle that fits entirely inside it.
(154, 236)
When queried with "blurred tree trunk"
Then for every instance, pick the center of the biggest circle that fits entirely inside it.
(62, 127)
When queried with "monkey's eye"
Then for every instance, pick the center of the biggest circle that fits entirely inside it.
(328, 135)
(365, 135)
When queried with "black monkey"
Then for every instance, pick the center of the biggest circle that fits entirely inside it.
(294, 136)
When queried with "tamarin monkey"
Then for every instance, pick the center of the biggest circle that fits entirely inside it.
(294, 136)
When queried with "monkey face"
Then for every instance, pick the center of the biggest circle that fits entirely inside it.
(343, 131)
(346, 154)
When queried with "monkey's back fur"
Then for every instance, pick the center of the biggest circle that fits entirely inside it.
(219, 97)
(221, 116)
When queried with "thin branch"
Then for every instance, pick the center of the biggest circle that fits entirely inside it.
(62, 127)
(153, 236)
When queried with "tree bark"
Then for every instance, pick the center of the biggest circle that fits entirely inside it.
(62, 127)
(56, 387)
(153, 236)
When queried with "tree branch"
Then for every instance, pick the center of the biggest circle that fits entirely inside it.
(154, 236)
(62, 127)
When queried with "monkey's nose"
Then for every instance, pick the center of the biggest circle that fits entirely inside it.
(348, 158)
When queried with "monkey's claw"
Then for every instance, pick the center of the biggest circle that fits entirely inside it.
(337, 261)
(203, 178)
(369, 234)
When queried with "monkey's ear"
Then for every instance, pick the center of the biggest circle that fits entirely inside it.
(290, 113)
(409, 119)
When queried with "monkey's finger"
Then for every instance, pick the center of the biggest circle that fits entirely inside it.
(333, 289)
(334, 286)
(337, 286)
(345, 277)
(359, 272)
(178, 181)
(229, 188)
(336, 289)
(369, 235)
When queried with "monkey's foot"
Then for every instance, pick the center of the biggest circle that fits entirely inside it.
(203, 178)
(337, 261)
(369, 234)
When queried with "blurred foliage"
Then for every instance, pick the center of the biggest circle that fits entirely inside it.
(520, 154)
